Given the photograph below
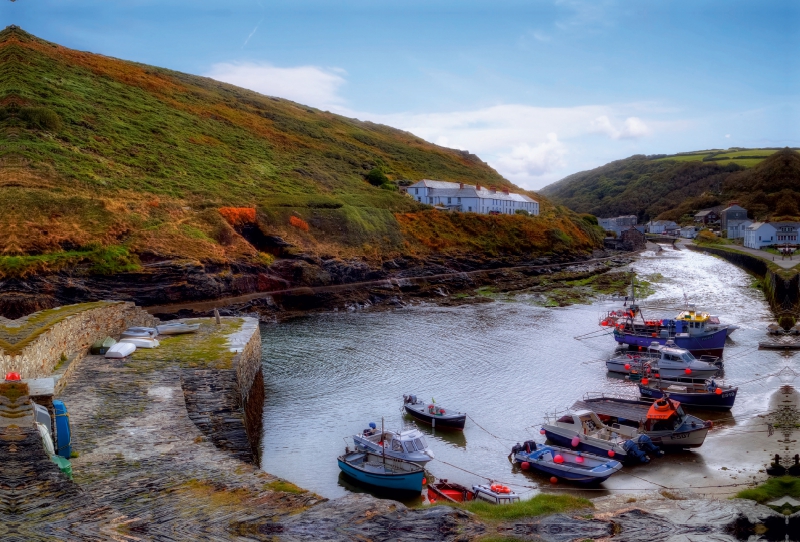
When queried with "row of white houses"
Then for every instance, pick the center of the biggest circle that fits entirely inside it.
(764, 234)
(469, 198)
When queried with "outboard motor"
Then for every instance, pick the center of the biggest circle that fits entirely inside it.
(409, 399)
(517, 448)
(645, 444)
(530, 446)
(632, 449)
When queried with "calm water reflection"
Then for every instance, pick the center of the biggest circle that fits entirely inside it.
(505, 363)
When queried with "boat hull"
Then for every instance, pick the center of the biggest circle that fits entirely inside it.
(438, 422)
(618, 366)
(693, 438)
(698, 400)
(401, 482)
(704, 345)
(365, 444)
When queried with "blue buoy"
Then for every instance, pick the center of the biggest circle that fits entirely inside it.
(372, 425)
(63, 435)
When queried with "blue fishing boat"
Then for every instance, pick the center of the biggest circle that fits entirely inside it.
(565, 463)
(707, 395)
(383, 471)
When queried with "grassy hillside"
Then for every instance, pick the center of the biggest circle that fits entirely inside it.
(112, 162)
(675, 187)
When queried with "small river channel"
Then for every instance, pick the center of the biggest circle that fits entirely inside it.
(505, 363)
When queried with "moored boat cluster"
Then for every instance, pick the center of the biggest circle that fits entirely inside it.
(676, 364)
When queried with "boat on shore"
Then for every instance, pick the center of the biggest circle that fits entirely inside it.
(135, 332)
(565, 463)
(382, 471)
(407, 444)
(669, 361)
(449, 491)
(495, 494)
(707, 394)
(176, 328)
(433, 415)
(663, 422)
(140, 342)
(120, 350)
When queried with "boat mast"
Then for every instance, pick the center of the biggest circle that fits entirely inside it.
(383, 448)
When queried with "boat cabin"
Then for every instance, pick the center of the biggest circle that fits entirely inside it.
(589, 424)
(409, 441)
(664, 415)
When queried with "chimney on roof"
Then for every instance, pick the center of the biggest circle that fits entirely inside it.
(493, 189)
(505, 191)
(478, 186)
(461, 186)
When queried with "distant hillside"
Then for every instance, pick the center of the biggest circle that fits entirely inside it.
(675, 187)
(112, 163)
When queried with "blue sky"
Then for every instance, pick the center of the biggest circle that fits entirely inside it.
(538, 89)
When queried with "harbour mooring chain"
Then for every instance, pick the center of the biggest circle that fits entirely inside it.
(489, 432)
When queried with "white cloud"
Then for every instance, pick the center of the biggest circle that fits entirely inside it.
(632, 128)
(728, 136)
(525, 161)
(308, 85)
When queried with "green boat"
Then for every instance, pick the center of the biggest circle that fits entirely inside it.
(100, 347)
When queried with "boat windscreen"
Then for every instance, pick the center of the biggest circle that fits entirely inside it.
(409, 446)
(420, 442)
(687, 356)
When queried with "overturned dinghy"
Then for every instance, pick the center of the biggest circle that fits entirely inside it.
(140, 342)
(120, 350)
(177, 328)
(148, 332)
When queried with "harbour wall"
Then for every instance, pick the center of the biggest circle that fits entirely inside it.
(781, 287)
(34, 345)
(250, 380)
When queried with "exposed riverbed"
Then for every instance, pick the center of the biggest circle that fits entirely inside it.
(505, 363)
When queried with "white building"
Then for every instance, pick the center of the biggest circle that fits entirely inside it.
(662, 227)
(759, 235)
(619, 223)
(689, 232)
(785, 233)
(471, 199)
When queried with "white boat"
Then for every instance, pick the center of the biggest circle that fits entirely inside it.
(140, 342)
(150, 332)
(120, 350)
(408, 444)
(176, 328)
(495, 494)
(592, 434)
(667, 360)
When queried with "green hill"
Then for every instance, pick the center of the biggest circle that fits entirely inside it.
(111, 163)
(675, 187)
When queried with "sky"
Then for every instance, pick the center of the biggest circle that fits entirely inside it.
(537, 89)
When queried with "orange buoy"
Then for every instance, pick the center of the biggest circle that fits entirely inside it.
(645, 381)
(553, 480)
(525, 465)
(718, 391)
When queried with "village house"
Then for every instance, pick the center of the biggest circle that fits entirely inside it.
(471, 198)
(785, 232)
(734, 221)
(663, 227)
(619, 223)
(706, 216)
(759, 235)
(689, 232)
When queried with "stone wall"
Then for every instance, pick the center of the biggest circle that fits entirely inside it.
(73, 334)
(250, 380)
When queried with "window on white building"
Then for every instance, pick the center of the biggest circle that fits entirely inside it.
(416, 190)
(449, 200)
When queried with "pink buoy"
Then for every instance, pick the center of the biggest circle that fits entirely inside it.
(627, 366)
(718, 391)
(645, 381)
(575, 442)
(611, 453)
(553, 480)
(688, 371)
(558, 459)
(525, 465)
(542, 431)
(579, 459)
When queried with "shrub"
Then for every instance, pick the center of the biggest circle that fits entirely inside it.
(376, 177)
(705, 236)
(223, 234)
(238, 216)
(522, 212)
(389, 186)
(298, 223)
(41, 118)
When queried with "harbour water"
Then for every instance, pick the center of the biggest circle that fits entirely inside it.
(505, 363)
